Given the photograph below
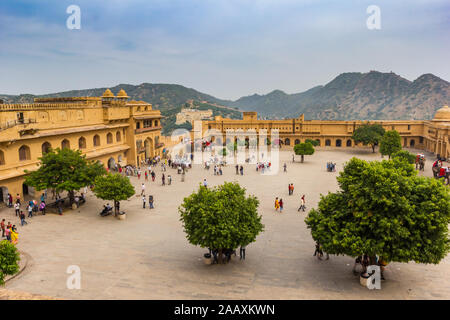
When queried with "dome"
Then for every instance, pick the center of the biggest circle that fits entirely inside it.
(108, 94)
(122, 94)
(442, 114)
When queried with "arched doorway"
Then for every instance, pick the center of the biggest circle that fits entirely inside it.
(328, 142)
(349, 143)
(111, 163)
(412, 143)
(287, 142)
(297, 141)
(25, 190)
(338, 143)
(148, 146)
(3, 194)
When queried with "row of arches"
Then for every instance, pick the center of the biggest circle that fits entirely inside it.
(338, 142)
(24, 151)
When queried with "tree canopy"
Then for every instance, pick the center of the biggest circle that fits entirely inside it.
(406, 155)
(315, 143)
(113, 187)
(64, 170)
(390, 143)
(304, 148)
(385, 209)
(369, 134)
(221, 218)
(9, 258)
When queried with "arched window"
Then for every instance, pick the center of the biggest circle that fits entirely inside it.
(328, 142)
(109, 138)
(65, 144)
(96, 140)
(412, 143)
(46, 146)
(287, 142)
(338, 143)
(82, 143)
(118, 137)
(2, 158)
(349, 143)
(297, 141)
(24, 153)
(156, 123)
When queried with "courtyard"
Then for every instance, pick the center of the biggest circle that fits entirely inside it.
(147, 255)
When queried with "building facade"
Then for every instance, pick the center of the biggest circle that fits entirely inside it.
(432, 135)
(110, 129)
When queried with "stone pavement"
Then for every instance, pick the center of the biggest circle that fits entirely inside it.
(147, 255)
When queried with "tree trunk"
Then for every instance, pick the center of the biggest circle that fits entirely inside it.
(303, 157)
(116, 212)
(71, 197)
(220, 256)
(373, 148)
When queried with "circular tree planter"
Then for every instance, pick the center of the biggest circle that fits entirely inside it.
(207, 258)
(363, 278)
(121, 215)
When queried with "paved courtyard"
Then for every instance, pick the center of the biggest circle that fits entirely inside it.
(147, 255)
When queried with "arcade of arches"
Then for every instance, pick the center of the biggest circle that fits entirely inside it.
(103, 128)
(430, 135)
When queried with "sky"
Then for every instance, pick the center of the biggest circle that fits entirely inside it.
(226, 48)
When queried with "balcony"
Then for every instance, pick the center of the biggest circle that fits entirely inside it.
(18, 122)
(149, 129)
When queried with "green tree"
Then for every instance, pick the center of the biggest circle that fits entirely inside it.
(315, 143)
(64, 170)
(406, 155)
(113, 187)
(9, 258)
(221, 218)
(304, 148)
(390, 143)
(223, 152)
(369, 134)
(385, 209)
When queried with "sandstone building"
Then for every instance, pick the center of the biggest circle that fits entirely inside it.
(432, 135)
(191, 115)
(110, 128)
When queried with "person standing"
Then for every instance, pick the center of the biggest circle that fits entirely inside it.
(153, 176)
(277, 204)
(17, 208)
(237, 169)
(302, 204)
(169, 179)
(281, 205)
(163, 178)
(146, 175)
(242, 170)
(10, 200)
(8, 233)
(143, 202)
(242, 252)
(285, 167)
(205, 183)
(42, 207)
(143, 189)
(2, 224)
(150, 202)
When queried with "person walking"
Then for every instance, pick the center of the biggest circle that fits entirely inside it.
(242, 170)
(302, 204)
(42, 207)
(285, 167)
(153, 175)
(143, 201)
(8, 233)
(10, 200)
(169, 179)
(237, 169)
(205, 183)
(143, 189)
(30, 210)
(163, 178)
(242, 253)
(277, 204)
(17, 208)
(281, 205)
(22, 218)
(146, 175)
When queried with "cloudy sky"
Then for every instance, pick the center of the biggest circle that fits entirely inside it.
(227, 48)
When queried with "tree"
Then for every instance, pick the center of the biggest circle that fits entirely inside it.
(385, 209)
(390, 143)
(9, 258)
(406, 155)
(221, 218)
(223, 152)
(113, 187)
(304, 148)
(64, 170)
(315, 143)
(369, 134)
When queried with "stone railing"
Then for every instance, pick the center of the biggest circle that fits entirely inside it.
(13, 123)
